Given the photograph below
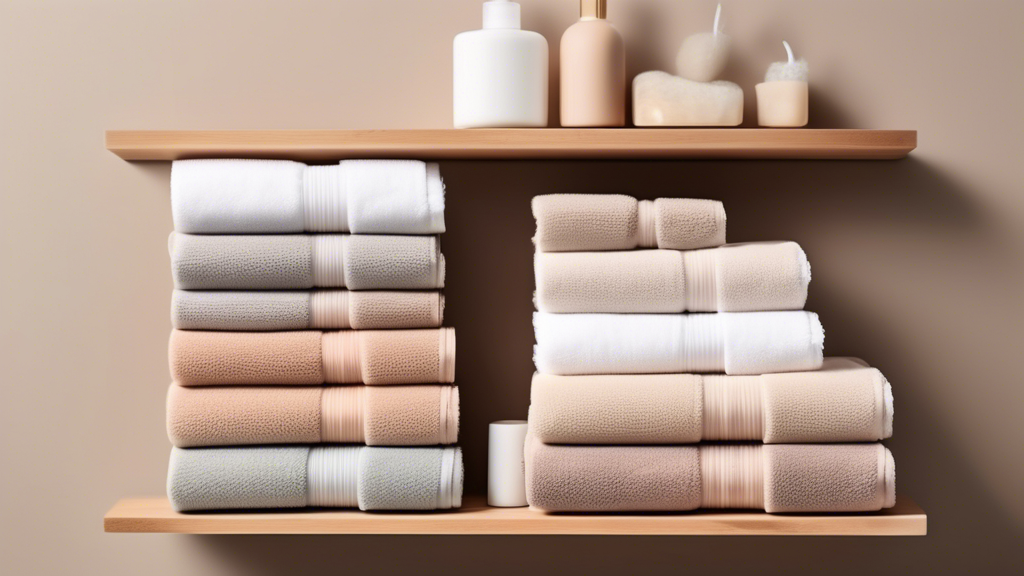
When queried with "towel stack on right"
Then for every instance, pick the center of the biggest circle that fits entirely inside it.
(677, 372)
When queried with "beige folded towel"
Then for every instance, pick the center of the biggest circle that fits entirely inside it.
(581, 222)
(845, 401)
(736, 278)
(371, 415)
(778, 478)
(309, 358)
(300, 310)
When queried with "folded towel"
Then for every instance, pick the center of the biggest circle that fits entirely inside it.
(280, 196)
(286, 262)
(371, 415)
(734, 343)
(318, 309)
(581, 222)
(735, 278)
(310, 358)
(369, 478)
(774, 478)
(845, 401)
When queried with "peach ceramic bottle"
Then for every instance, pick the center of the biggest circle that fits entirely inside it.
(593, 70)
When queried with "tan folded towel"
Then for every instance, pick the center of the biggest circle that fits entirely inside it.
(778, 478)
(845, 401)
(300, 310)
(736, 278)
(309, 358)
(371, 415)
(582, 222)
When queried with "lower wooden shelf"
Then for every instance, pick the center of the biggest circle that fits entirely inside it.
(475, 517)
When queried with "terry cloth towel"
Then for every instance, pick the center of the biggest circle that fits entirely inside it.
(845, 401)
(310, 358)
(735, 278)
(734, 343)
(280, 196)
(298, 262)
(368, 478)
(318, 309)
(371, 415)
(581, 222)
(774, 478)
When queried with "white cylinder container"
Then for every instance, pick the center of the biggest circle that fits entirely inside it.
(506, 477)
(500, 73)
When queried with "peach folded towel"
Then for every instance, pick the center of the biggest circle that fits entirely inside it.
(774, 478)
(845, 401)
(371, 415)
(582, 222)
(300, 261)
(311, 358)
(734, 278)
(302, 310)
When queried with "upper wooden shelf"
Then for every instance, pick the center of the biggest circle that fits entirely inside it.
(537, 144)
(475, 517)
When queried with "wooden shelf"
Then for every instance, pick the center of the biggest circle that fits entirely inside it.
(548, 143)
(475, 517)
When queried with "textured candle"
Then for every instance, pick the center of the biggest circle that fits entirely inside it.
(782, 97)
(661, 99)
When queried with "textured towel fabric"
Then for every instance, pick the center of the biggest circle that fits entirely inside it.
(279, 196)
(734, 343)
(370, 478)
(845, 401)
(778, 478)
(298, 262)
(735, 278)
(374, 415)
(302, 310)
(311, 358)
(582, 222)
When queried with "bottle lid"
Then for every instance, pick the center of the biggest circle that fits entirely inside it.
(501, 14)
(593, 9)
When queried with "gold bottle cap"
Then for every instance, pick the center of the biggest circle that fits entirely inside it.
(593, 8)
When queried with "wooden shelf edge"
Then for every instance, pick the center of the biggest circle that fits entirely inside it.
(515, 144)
(154, 515)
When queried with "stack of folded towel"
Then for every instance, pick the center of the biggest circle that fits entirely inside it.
(307, 314)
(628, 387)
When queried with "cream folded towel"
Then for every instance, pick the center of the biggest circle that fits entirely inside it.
(774, 478)
(280, 196)
(845, 401)
(297, 262)
(371, 415)
(581, 222)
(734, 343)
(318, 309)
(734, 278)
(310, 358)
(368, 478)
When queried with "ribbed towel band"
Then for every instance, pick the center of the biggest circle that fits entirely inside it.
(887, 474)
(446, 497)
(732, 477)
(448, 430)
(332, 476)
(340, 353)
(647, 236)
(329, 309)
(733, 408)
(700, 280)
(341, 414)
(329, 260)
(324, 201)
(703, 348)
(446, 352)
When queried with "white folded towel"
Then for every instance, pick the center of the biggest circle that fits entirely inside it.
(734, 343)
(281, 196)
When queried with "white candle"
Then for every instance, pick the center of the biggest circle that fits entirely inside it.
(782, 97)
(702, 57)
(506, 480)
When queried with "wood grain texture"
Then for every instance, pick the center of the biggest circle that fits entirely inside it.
(475, 517)
(550, 143)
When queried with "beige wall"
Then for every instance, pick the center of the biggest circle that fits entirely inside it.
(918, 264)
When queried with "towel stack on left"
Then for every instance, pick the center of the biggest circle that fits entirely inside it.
(307, 312)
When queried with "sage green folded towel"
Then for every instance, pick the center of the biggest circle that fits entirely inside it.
(368, 478)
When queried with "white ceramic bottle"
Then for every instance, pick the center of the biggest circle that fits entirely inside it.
(593, 70)
(500, 73)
